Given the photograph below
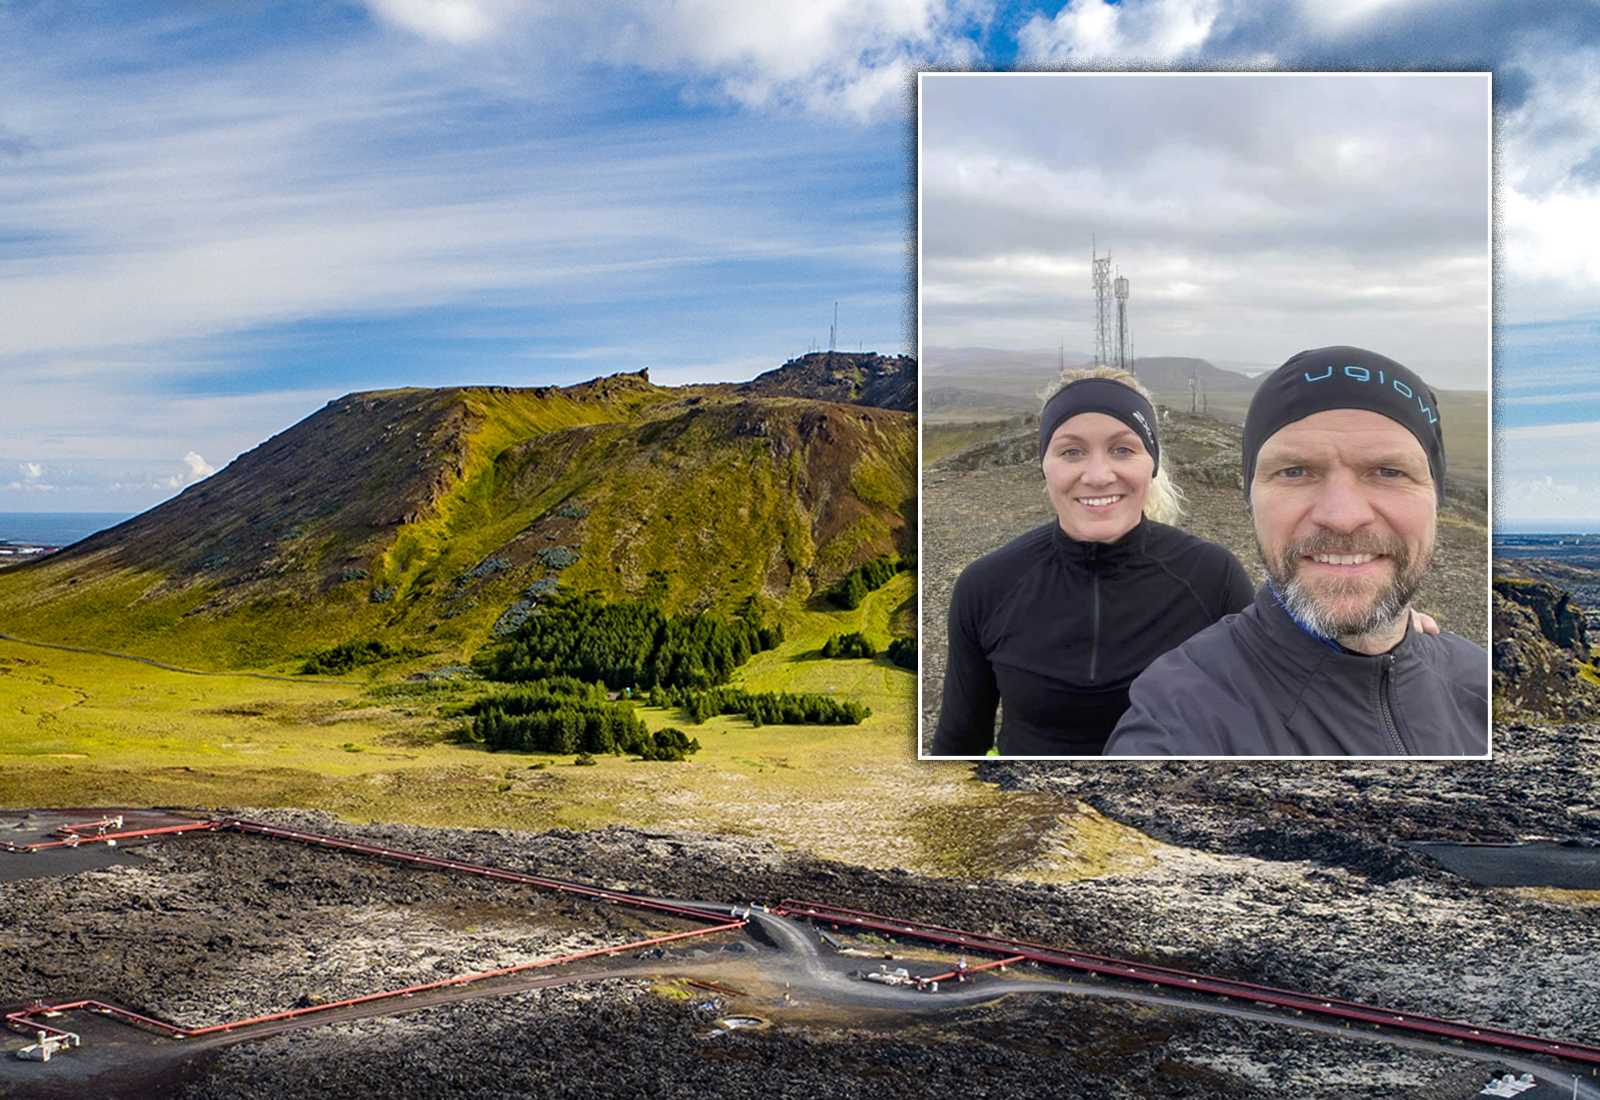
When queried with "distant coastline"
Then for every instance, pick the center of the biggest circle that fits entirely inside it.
(54, 529)
(1548, 527)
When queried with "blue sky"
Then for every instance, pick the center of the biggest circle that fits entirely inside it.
(215, 218)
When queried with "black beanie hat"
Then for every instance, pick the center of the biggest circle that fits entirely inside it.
(1101, 395)
(1343, 378)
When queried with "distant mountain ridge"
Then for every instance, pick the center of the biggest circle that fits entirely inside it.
(432, 515)
(990, 380)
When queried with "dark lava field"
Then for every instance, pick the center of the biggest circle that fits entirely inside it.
(213, 927)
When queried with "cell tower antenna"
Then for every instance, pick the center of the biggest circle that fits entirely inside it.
(833, 333)
(1102, 305)
(1124, 337)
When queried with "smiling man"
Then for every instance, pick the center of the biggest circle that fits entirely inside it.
(1343, 467)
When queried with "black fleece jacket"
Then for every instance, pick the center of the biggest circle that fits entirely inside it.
(1058, 629)
(1258, 684)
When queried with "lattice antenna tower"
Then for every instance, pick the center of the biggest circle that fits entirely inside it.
(1102, 305)
(1124, 336)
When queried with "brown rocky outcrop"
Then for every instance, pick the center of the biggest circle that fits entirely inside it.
(1541, 652)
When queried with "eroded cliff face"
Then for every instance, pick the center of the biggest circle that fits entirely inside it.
(1541, 652)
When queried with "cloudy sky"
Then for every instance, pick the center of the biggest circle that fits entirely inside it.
(215, 218)
(1253, 214)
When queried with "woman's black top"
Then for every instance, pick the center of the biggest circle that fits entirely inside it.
(1059, 628)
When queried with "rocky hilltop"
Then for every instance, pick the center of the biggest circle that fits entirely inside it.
(889, 382)
(433, 514)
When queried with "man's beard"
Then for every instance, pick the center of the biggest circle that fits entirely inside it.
(1323, 606)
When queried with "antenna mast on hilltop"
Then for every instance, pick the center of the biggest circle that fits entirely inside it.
(833, 333)
(1102, 305)
(1124, 337)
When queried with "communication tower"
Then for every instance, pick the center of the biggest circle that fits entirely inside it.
(1124, 356)
(1102, 304)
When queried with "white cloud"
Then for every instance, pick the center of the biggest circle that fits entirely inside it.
(457, 22)
(1551, 268)
(1550, 123)
(198, 467)
(32, 470)
(1534, 461)
(296, 186)
(125, 425)
(1524, 499)
(1085, 30)
(849, 57)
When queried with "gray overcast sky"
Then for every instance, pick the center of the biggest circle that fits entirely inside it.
(1254, 214)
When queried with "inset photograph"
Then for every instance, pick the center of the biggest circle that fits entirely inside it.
(1204, 414)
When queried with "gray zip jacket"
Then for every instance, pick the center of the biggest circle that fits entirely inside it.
(1258, 684)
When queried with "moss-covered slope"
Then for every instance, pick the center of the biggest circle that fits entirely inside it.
(427, 515)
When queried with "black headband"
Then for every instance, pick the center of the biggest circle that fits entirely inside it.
(1343, 378)
(1101, 395)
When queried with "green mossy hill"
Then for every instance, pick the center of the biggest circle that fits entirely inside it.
(440, 519)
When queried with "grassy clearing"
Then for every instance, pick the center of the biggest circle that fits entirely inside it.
(943, 440)
(1577, 899)
(994, 834)
(84, 730)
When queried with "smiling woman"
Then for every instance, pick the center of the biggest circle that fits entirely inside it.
(1057, 623)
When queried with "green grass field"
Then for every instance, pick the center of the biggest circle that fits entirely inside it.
(943, 440)
(84, 730)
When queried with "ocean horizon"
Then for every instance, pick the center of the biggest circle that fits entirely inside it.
(55, 528)
(1549, 527)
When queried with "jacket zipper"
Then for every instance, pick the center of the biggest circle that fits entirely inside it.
(1091, 560)
(1383, 705)
(1094, 641)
